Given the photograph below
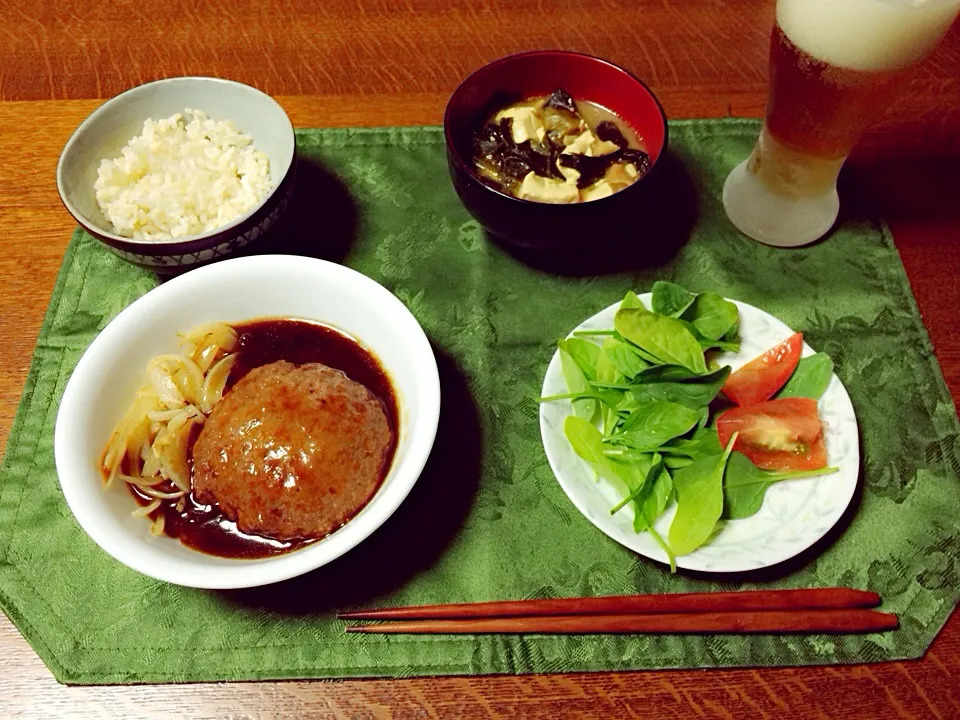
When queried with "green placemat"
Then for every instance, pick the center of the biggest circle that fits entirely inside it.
(487, 520)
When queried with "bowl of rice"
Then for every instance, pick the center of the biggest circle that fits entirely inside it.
(180, 172)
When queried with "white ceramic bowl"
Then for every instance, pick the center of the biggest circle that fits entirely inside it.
(111, 126)
(114, 367)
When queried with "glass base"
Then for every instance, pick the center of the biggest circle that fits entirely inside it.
(774, 219)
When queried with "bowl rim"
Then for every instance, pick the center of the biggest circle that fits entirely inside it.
(189, 240)
(455, 156)
(260, 571)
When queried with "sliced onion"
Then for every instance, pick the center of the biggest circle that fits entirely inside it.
(184, 373)
(113, 455)
(164, 416)
(189, 378)
(158, 495)
(165, 387)
(206, 355)
(154, 434)
(151, 465)
(138, 438)
(225, 337)
(172, 448)
(146, 509)
(215, 382)
(128, 438)
(183, 415)
(188, 348)
(218, 333)
(148, 393)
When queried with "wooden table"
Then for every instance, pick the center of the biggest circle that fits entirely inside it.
(380, 63)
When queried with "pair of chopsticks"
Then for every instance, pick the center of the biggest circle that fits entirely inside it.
(815, 610)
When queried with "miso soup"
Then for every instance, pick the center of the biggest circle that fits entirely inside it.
(555, 149)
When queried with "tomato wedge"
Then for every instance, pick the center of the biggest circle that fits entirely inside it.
(783, 434)
(762, 377)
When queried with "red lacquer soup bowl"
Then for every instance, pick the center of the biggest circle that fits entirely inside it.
(535, 224)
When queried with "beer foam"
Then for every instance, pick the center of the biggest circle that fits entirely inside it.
(870, 35)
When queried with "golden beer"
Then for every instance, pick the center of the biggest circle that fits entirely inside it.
(819, 108)
(834, 65)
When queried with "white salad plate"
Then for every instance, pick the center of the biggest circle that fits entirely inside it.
(795, 514)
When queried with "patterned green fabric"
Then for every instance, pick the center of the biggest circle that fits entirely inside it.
(487, 520)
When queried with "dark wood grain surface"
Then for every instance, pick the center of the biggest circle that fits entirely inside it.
(340, 63)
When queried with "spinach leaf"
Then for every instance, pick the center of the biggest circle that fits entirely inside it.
(624, 357)
(631, 301)
(693, 394)
(745, 485)
(811, 377)
(607, 372)
(662, 337)
(708, 343)
(611, 398)
(593, 333)
(639, 484)
(650, 498)
(704, 418)
(623, 455)
(653, 424)
(671, 557)
(584, 353)
(587, 442)
(656, 500)
(676, 462)
(632, 469)
(577, 383)
(666, 373)
(676, 373)
(699, 488)
(653, 506)
(670, 299)
(703, 442)
(712, 315)
(641, 353)
(628, 467)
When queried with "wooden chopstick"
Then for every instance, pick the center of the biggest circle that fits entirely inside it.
(798, 621)
(739, 601)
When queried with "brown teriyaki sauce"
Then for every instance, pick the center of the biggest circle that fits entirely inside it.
(203, 527)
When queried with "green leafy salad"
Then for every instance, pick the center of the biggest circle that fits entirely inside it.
(656, 415)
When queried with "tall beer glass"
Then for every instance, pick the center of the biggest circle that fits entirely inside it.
(833, 65)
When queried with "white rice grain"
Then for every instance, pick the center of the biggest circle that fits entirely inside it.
(183, 175)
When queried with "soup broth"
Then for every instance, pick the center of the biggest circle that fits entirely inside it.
(555, 149)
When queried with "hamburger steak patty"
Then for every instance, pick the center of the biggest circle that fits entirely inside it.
(292, 451)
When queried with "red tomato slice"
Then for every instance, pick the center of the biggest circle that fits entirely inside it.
(762, 377)
(784, 434)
